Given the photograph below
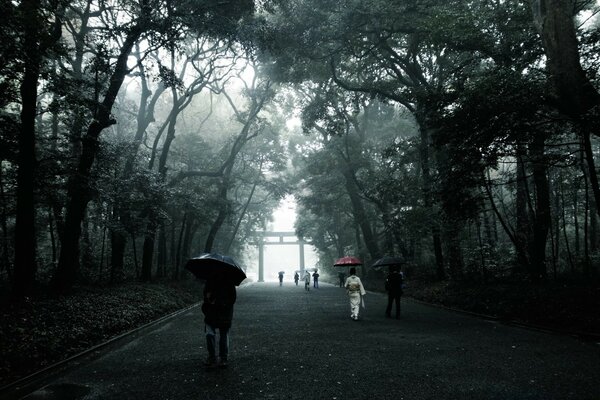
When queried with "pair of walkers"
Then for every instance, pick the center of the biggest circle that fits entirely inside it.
(356, 291)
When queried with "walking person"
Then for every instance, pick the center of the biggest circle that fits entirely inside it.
(316, 279)
(307, 281)
(296, 277)
(393, 285)
(281, 278)
(219, 298)
(355, 290)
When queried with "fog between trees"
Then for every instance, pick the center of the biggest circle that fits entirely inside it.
(460, 135)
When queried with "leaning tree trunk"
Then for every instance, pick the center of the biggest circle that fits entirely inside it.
(223, 212)
(360, 215)
(78, 193)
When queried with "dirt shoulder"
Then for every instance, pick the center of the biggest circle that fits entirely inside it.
(44, 330)
(565, 308)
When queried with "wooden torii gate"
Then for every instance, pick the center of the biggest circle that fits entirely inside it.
(261, 243)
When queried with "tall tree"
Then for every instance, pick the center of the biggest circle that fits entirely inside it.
(38, 37)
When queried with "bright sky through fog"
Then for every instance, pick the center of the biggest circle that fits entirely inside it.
(282, 257)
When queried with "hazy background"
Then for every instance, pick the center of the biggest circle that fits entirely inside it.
(281, 257)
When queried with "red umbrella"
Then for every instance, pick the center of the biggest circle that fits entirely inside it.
(347, 261)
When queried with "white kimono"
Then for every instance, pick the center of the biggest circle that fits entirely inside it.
(355, 289)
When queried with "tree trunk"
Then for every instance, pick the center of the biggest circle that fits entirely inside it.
(359, 213)
(25, 244)
(523, 228)
(118, 241)
(241, 216)
(452, 229)
(184, 224)
(589, 156)
(542, 210)
(571, 89)
(148, 251)
(218, 222)
(427, 199)
(5, 260)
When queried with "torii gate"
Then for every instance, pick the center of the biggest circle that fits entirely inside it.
(261, 243)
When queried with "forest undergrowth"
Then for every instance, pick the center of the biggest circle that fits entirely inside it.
(567, 307)
(44, 330)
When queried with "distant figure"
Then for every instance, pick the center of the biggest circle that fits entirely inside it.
(219, 298)
(281, 279)
(342, 277)
(355, 289)
(393, 285)
(316, 279)
(296, 278)
(307, 281)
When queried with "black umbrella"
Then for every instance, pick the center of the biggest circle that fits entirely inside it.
(387, 261)
(209, 266)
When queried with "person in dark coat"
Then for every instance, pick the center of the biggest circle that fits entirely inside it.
(219, 298)
(316, 279)
(280, 275)
(393, 285)
(296, 278)
(342, 278)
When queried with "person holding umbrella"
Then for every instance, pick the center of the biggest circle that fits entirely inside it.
(355, 290)
(346, 261)
(219, 298)
(221, 275)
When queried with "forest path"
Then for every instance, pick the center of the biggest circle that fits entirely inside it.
(287, 343)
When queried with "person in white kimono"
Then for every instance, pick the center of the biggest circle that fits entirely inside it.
(307, 281)
(355, 289)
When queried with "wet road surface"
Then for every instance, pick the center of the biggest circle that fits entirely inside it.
(290, 344)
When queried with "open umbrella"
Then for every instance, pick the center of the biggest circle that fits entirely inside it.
(347, 261)
(387, 261)
(216, 266)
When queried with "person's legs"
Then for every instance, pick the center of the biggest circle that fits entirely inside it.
(397, 306)
(223, 345)
(210, 344)
(388, 310)
(354, 305)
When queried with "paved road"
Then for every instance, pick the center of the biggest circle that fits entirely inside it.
(290, 344)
